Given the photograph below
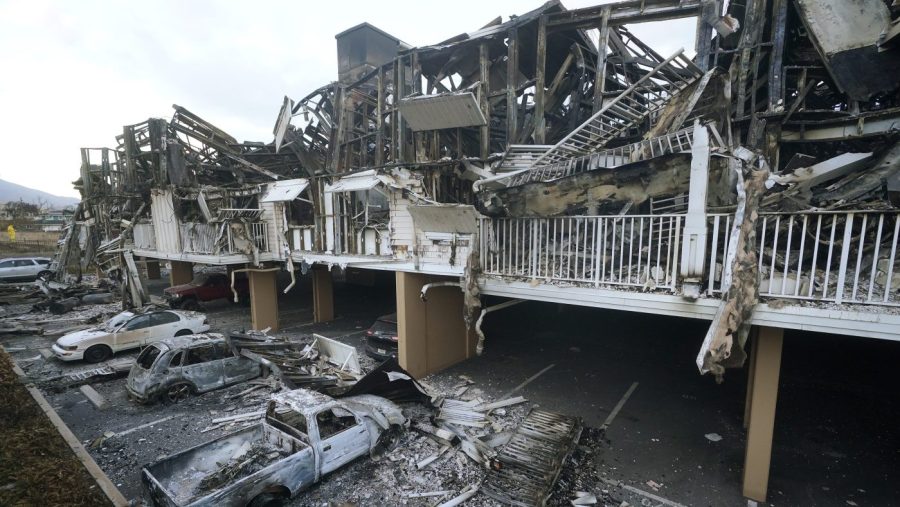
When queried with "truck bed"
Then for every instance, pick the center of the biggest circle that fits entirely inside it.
(202, 470)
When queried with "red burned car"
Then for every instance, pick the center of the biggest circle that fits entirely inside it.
(206, 287)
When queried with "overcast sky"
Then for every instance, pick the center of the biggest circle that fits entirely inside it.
(75, 72)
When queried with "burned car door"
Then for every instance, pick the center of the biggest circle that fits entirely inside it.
(135, 333)
(212, 288)
(203, 367)
(175, 369)
(342, 437)
(237, 369)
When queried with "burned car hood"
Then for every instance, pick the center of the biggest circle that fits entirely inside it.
(80, 336)
(185, 287)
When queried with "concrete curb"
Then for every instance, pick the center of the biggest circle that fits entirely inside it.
(109, 489)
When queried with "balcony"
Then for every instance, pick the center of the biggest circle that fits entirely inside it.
(225, 242)
(223, 238)
(821, 258)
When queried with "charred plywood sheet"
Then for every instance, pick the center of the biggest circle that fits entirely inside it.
(445, 111)
(285, 190)
(846, 34)
(458, 219)
(283, 121)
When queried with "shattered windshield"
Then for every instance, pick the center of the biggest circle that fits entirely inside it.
(115, 322)
(148, 357)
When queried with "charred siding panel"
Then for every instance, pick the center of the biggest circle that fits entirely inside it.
(165, 224)
(271, 215)
(402, 233)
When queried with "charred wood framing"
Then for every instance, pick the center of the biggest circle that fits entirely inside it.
(560, 117)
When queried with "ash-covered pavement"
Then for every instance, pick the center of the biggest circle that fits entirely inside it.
(655, 450)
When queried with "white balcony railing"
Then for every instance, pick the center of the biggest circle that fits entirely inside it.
(633, 250)
(838, 257)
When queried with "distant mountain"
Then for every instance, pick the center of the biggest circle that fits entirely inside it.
(12, 192)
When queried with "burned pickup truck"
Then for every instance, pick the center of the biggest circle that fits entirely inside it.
(304, 435)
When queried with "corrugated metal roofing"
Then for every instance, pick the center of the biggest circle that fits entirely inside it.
(432, 112)
(284, 190)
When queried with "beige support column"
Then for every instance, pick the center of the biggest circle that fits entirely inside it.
(748, 401)
(323, 294)
(766, 367)
(263, 300)
(433, 334)
(152, 269)
(181, 273)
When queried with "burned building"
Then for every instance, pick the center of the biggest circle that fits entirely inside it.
(751, 181)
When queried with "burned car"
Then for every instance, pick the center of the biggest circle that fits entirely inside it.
(176, 368)
(381, 338)
(304, 436)
(207, 287)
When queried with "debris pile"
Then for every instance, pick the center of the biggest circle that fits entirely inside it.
(37, 322)
(323, 365)
(245, 461)
(530, 462)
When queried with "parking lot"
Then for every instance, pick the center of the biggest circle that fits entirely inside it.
(678, 437)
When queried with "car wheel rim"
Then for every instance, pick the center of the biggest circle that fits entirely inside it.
(178, 393)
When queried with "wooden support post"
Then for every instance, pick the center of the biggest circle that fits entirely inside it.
(776, 67)
(748, 400)
(263, 300)
(766, 367)
(400, 92)
(540, 69)
(600, 72)
(152, 269)
(512, 84)
(379, 120)
(484, 63)
(433, 334)
(709, 10)
(323, 294)
(338, 129)
(181, 273)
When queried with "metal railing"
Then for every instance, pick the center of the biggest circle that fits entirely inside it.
(634, 250)
(260, 235)
(841, 257)
(838, 257)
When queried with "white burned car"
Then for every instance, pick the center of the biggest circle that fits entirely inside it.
(128, 330)
(304, 436)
